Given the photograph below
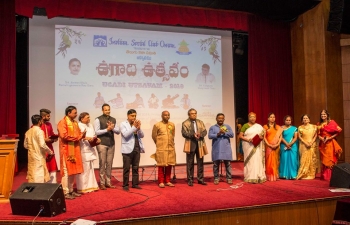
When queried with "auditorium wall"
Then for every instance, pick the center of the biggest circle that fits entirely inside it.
(317, 71)
(345, 60)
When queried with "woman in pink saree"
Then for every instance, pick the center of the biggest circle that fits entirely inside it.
(273, 137)
(330, 150)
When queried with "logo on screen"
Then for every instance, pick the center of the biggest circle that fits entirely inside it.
(100, 41)
(183, 48)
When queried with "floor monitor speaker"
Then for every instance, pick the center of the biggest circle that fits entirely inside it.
(341, 176)
(30, 198)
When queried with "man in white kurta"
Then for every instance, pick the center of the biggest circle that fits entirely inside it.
(86, 181)
(35, 143)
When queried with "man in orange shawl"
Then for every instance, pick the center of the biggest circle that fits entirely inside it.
(70, 157)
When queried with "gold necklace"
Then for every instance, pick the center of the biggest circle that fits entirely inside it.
(306, 127)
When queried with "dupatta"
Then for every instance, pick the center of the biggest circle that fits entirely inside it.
(70, 144)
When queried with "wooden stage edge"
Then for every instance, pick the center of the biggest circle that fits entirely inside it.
(311, 212)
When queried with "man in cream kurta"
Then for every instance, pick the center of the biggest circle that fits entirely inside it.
(163, 134)
(35, 143)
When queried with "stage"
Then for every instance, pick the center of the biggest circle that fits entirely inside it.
(280, 202)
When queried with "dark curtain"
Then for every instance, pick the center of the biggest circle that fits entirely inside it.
(7, 67)
(136, 13)
(270, 82)
(240, 69)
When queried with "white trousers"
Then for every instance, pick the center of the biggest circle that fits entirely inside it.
(67, 181)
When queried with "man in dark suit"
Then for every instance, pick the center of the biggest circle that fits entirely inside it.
(193, 130)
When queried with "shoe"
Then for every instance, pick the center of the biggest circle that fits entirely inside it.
(136, 186)
(190, 183)
(69, 196)
(102, 187)
(126, 188)
(170, 184)
(161, 185)
(74, 194)
(216, 181)
(229, 181)
(110, 186)
(202, 183)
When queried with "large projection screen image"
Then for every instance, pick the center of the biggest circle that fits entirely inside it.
(149, 68)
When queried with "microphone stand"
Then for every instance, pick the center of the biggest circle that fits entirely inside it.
(155, 172)
(221, 175)
(174, 176)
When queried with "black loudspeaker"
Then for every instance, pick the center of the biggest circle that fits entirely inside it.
(341, 176)
(339, 16)
(30, 198)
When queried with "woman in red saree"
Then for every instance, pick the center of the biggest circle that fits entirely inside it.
(330, 150)
(273, 137)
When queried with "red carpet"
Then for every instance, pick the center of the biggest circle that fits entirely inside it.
(116, 204)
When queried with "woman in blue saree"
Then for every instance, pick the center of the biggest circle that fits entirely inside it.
(289, 159)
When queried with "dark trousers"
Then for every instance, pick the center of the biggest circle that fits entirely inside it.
(105, 159)
(190, 165)
(227, 166)
(132, 159)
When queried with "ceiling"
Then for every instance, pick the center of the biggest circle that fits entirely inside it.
(285, 10)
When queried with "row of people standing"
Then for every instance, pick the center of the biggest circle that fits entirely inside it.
(76, 148)
(77, 141)
(102, 135)
(276, 156)
(272, 151)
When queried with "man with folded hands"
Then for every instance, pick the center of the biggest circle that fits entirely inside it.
(70, 156)
(194, 131)
(105, 128)
(220, 134)
(163, 134)
(131, 148)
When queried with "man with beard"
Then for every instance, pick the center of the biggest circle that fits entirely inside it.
(50, 137)
(221, 133)
(70, 156)
(131, 148)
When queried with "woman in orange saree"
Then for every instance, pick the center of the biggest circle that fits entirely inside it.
(330, 150)
(273, 137)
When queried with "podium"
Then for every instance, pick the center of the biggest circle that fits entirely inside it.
(8, 152)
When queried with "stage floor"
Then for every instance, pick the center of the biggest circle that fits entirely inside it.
(152, 201)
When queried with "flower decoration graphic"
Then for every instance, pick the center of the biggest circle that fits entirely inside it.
(68, 35)
(211, 44)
